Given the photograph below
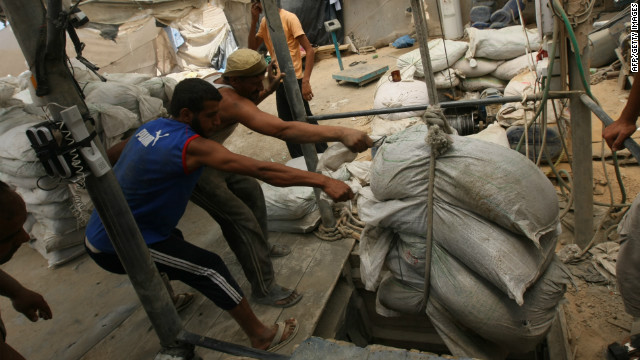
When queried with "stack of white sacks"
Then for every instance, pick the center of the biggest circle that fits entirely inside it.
(495, 282)
(491, 59)
(59, 210)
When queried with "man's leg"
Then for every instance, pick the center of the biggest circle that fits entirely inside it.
(244, 226)
(201, 269)
(284, 113)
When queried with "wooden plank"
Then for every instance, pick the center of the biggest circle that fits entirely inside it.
(333, 316)
(226, 328)
(317, 284)
(558, 337)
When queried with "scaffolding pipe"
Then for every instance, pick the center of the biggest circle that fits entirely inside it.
(446, 105)
(581, 160)
(420, 22)
(29, 21)
(294, 97)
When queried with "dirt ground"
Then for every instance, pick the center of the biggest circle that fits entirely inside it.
(594, 313)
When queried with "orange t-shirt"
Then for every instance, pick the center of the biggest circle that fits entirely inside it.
(292, 29)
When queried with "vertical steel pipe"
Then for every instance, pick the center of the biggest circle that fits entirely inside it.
(423, 37)
(29, 19)
(274, 24)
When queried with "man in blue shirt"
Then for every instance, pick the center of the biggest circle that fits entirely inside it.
(157, 171)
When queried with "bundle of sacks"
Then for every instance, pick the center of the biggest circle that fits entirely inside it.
(55, 224)
(294, 209)
(495, 282)
(490, 59)
(58, 211)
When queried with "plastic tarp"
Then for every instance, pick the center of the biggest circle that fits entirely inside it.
(133, 50)
(204, 31)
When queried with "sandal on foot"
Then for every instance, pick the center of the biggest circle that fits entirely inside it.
(276, 294)
(277, 341)
(182, 301)
(278, 250)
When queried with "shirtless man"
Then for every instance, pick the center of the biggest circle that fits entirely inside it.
(235, 201)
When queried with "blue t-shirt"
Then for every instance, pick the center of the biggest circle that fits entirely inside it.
(154, 179)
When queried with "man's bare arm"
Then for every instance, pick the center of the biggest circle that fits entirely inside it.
(204, 152)
(307, 93)
(238, 108)
(29, 303)
(254, 40)
(616, 133)
(113, 153)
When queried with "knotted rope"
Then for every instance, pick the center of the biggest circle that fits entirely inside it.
(439, 142)
(347, 225)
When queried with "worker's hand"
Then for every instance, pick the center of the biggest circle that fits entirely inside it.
(307, 94)
(337, 190)
(31, 304)
(356, 140)
(256, 10)
(274, 75)
(616, 133)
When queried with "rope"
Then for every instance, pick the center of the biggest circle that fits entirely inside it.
(347, 225)
(439, 143)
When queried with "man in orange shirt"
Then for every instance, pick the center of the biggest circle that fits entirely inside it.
(295, 39)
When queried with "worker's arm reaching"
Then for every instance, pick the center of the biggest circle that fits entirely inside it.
(274, 77)
(307, 93)
(244, 111)
(616, 133)
(254, 40)
(25, 301)
(204, 152)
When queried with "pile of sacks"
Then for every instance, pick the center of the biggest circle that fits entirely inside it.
(490, 59)
(58, 211)
(495, 281)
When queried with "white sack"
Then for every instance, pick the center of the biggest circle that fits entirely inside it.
(494, 133)
(510, 68)
(51, 241)
(497, 183)
(334, 156)
(382, 127)
(288, 203)
(57, 210)
(20, 168)
(131, 97)
(58, 257)
(397, 94)
(439, 60)
(475, 67)
(446, 79)
(481, 83)
(501, 44)
(39, 196)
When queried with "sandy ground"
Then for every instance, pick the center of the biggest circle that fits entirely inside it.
(594, 313)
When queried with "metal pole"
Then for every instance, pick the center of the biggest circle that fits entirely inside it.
(28, 19)
(446, 104)
(423, 38)
(335, 43)
(581, 160)
(292, 89)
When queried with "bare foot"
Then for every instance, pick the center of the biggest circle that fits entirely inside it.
(267, 343)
